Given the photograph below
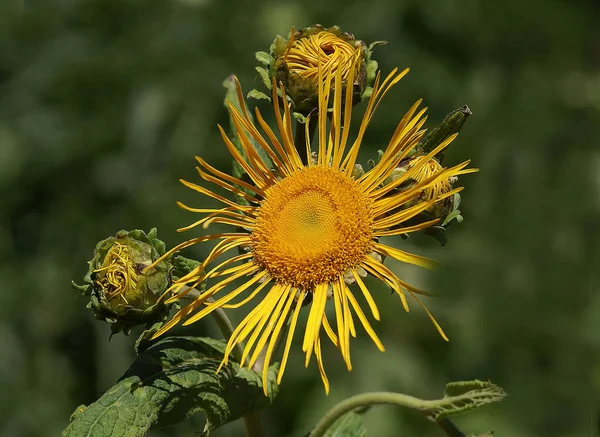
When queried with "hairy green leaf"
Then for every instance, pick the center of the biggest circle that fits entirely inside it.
(463, 396)
(171, 381)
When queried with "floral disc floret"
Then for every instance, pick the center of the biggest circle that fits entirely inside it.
(312, 226)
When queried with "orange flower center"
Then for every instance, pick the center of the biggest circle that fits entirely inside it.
(311, 227)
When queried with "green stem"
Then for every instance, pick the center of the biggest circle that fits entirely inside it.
(223, 322)
(300, 139)
(361, 400)
(226, 328)
(252, 421)
(450, 428)
(253, 424)
(377, 398)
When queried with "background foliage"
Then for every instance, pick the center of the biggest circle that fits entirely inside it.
(104, 103)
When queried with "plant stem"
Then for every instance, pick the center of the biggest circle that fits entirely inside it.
(361, 400)
(223, 322)
(226, 328)
(300, 139)
(450, 428)
(378, 398)
(252, 422)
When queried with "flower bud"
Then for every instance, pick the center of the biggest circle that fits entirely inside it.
(295, 63)
(439, 209)
(121, 293)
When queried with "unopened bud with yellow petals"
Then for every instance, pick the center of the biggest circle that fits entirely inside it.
(296, 61)
(121, 293)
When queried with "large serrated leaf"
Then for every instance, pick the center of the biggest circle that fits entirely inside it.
(464, 396)
(171, 381)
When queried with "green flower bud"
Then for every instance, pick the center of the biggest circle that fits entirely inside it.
(121, 293)
(295, 63)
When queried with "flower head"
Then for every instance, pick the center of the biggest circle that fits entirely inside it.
(121, 292)
(295, 63)
(308, 227)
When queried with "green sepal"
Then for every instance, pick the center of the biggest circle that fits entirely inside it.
(299, 117)
(375, 44)
(171, 381)
(258, 95)
(450, 125)
(264, 75)
(438, 233)
(264, 58)
(372, 67)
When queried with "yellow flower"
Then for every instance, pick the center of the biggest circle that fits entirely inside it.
(308, 226)
(304, 55)
(298, 60)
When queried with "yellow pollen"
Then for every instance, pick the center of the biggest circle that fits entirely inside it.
(311, 227)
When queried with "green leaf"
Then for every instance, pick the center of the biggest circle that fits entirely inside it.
(264, 58)
(464, 396)
(264, 75)
(349, 425)
(171, 381)
(256, 94)
(182, 265)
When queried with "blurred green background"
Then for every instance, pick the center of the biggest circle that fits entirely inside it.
(104, 103)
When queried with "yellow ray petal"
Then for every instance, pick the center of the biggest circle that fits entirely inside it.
(229, 178)
(363, 319)
(320, 365)
(384, 274)
(329, 331)
(218, 303)
(313, 324)
(367, 295)
(290, 336)
(403, 256)
(250, 297)
(275, 335)
(269, 329)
